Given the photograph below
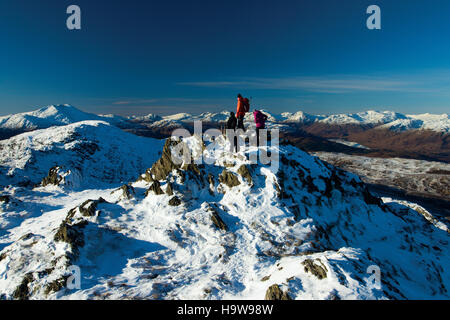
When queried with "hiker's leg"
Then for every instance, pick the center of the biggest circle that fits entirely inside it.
(257, 137)
(241, 122)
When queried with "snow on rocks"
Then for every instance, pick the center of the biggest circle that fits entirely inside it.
(85, 154)
(305, 231)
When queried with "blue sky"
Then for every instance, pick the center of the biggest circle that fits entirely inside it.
(139, 57)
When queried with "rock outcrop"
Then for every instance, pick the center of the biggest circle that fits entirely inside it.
(275, 293)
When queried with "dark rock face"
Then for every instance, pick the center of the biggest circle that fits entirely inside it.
(211, 179)
(127, 191)
(22, 292)
(245, 173)
(319, 271)
(56, 285)
(5, 199)
(155, 188)
(169, 189)
(228, 178)
(53, 178)
(164, 165)
(370, 199)
(147, 176)
(71, 234)
(217, 221)
(174, 201)
(275, 293)
(89, 207)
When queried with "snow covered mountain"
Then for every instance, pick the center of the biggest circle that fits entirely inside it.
(221, 229)
(367, 117)
(378, 119)
(434, 122)
(65, 114)
(55, 115)
(86, 152)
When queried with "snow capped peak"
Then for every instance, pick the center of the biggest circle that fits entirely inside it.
(367, 117)
(298, 116)
(178, 117)
(95, 150)
(151, 117)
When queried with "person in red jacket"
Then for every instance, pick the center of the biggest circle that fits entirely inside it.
(243, 106)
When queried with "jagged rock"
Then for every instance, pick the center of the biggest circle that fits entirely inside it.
(211, 183)
(22, 292)
(245, 173)
(192, 167)
(2, 256)
(155, 188)
(275, 293)
(56, 285)
(279, 186)
(71, 234)
(228, 164)
(169, 189)
(26, 236)
(370, 199)
(265, 278)
(147, 176)
(228, 178)
(5, 199)
(318, 271)
(165, 165)
(217, 221)
(174, 201)
(127, 191)
(53, 178)
(211, 179)
(89, 207)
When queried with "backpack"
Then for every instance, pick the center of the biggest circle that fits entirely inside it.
(246, 104)
(259, 117)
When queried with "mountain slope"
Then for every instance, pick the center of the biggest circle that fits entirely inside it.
(93, 152)
(54, 115)
(223, 229)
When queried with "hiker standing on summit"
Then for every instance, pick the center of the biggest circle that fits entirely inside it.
(260, 121)
(243, 106)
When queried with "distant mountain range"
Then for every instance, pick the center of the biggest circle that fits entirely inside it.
(57, 115)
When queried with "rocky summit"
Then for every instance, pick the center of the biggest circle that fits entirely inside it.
(137, 225)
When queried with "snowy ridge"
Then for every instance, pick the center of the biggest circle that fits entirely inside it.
(229, 229)
(93, 150)
(367, 117)
(424, 121)
(55, 115)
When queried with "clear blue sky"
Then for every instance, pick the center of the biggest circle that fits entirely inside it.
(139, 57)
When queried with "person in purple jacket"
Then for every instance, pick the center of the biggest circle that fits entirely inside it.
(260, 121)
